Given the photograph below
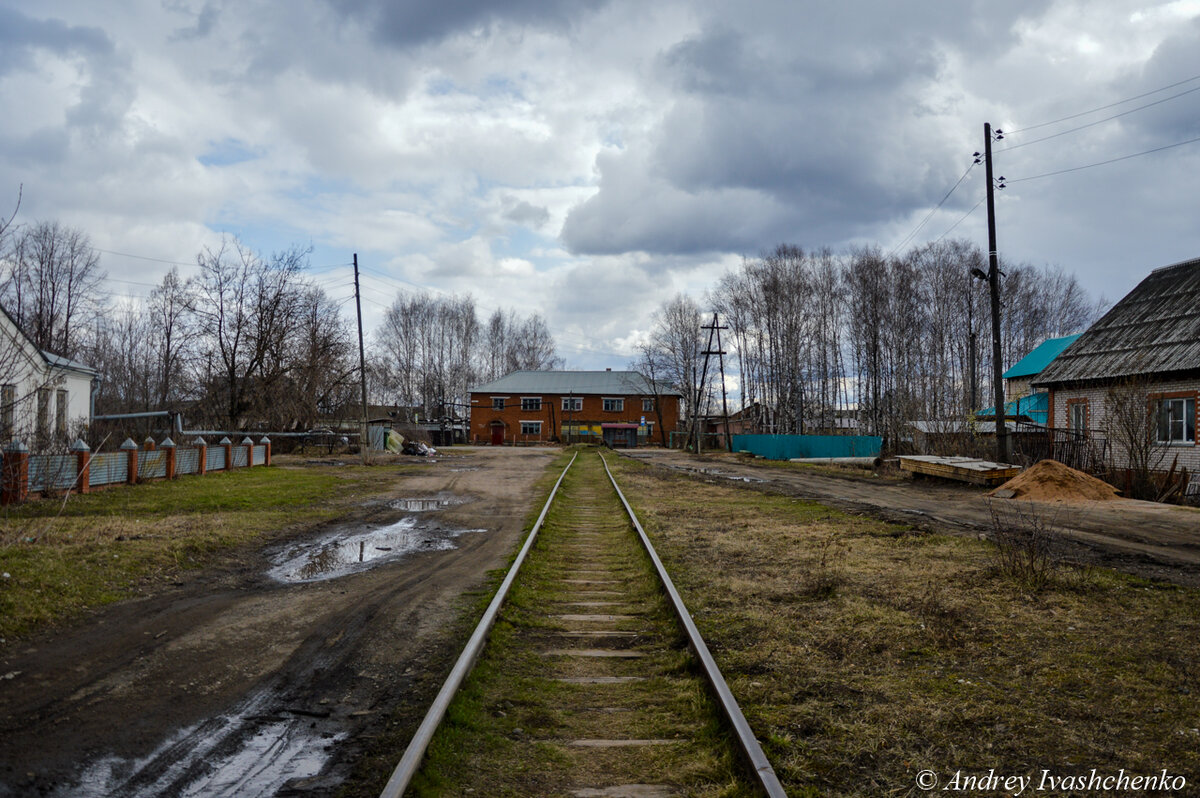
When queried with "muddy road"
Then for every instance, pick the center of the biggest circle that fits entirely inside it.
(1153, 540)
(269, 673)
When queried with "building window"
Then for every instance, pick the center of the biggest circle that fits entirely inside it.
(614, 405)
(531, 428)
(1177, 420)
(497, 402)
(60, 413)
(43, 415)
(531, 403)
(1077, 418)
(8, 410)
(648, 405)
(572, 404)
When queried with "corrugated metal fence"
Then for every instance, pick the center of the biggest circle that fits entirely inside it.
(23, 474)
(786, 447)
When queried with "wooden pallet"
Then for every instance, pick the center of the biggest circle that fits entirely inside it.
(962, 469)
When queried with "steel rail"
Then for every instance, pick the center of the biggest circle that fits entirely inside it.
(415, 752)
(729, 705)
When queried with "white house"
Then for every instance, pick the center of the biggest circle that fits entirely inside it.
(45, 400)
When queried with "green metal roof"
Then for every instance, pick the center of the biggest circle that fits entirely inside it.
(1042, 355)
(611, 383)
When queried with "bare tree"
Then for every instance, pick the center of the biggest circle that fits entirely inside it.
(53, 285)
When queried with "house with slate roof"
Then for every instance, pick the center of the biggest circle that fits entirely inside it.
(618, 407)
(45, 399)
(1149, 342)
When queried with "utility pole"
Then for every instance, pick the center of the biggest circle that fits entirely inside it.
(364, 439)
(720, 353)
(698, 435)
(993, 278)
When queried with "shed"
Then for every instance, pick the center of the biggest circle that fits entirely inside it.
(623, 436)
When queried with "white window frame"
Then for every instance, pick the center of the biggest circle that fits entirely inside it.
(1181, 420)
(531, 404)
(498, 402)
(648, 404)
(62, 408)
(536, 425)
(619, 404)
(572, 404)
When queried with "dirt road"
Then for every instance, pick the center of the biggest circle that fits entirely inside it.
(269, 673)
(1153, 540)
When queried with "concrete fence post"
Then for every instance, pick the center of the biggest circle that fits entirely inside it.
(83, 466)
(228, 445)
(249, 444)
(202, 452)
(169, 445)
(267, 443)
(131, 449)
(14, 480)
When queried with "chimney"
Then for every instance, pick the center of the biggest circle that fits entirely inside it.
(608, 369)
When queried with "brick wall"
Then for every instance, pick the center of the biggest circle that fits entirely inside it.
(552, 416)
(1098, 420)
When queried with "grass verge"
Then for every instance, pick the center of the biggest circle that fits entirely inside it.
(863, 653)
(61, 557)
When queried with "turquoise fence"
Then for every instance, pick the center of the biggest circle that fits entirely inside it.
(787, 447)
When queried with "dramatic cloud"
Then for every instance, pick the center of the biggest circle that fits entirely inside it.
(588, 159)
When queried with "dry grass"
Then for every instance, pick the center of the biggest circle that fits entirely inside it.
(863, 653)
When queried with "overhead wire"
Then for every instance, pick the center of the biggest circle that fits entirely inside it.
(1103, 107)
(934, 210)
(1101, 163)
(1098, 121)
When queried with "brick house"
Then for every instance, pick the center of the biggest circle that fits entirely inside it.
(543, 406)
(1144, 356)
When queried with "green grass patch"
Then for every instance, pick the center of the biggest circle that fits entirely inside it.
(65, 556)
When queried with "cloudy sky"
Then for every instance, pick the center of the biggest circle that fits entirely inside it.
(586, 159)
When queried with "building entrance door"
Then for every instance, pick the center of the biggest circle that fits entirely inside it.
(497, 435)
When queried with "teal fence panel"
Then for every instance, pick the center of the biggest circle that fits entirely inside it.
(787, 447)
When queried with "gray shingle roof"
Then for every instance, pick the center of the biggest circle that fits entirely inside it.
(609, 383)
(1154, 330)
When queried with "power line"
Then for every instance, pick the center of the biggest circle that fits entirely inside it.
(1104, 107)
(1100, 121)
(934, 210)
(1101, 163)
(962, 219)
(143, 257)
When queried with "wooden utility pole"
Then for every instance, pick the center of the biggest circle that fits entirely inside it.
(993, 277)
(364, 439)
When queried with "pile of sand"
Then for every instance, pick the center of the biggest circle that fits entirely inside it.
(1050, 480)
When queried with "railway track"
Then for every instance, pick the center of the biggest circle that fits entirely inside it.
(595, 682)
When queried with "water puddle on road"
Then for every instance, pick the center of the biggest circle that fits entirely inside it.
(424, 504)
(346, 552)
(231, 756)
(726, 475)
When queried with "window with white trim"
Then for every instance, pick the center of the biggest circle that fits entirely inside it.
(497, 402)
(531, 403)
(572, 404)
(8, 406)
(531, 428)
(61, 403)
(1177, 420)
(648, 405)
(613, 405)
(1077, 417)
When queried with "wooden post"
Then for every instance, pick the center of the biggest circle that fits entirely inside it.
(169, 445)
(202, 451)
(132, 449)
(228, 445)
(267, 443)
(14, 485)
(83, 466)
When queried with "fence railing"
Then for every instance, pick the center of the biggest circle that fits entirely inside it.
(23, 474)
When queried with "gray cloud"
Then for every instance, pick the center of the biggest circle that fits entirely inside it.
(414, 22)
(21, 36)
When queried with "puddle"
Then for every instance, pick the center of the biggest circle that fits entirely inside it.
(734, 477)
(346, 552)
(245, 754)
(424, 504)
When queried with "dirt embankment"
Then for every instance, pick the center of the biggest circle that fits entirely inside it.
(1144, 538)
(232, 682)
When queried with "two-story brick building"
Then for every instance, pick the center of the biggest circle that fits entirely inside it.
(620, 407)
